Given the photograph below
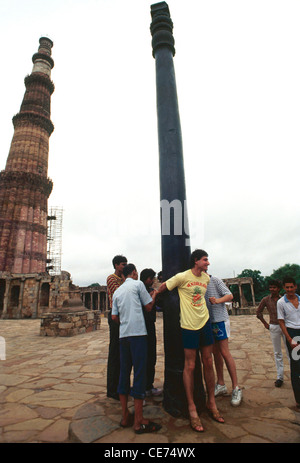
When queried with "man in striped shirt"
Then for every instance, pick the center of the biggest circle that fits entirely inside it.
(113, 282)
(216, 295)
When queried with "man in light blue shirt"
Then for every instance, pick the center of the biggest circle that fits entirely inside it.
(288, 313)
(128, 300)
(127, 310)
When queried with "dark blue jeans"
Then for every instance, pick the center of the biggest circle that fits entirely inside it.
(113, 362)
(133, 353)
(295, 364)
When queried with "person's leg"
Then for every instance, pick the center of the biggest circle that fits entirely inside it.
(188, 375)
(209, 375)
(124, 379)
(188, 382)
(138, 348)
(230, 363)
(275, 334)
(237, 395)
(206, 347)
(125, 412)
(138, 414)
(113, 362)
(141, 425)
(220, 388)
(219, 364)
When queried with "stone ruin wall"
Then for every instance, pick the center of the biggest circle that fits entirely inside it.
(31, 296)
(70, 324)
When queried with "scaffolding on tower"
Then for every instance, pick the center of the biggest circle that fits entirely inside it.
(54, 240)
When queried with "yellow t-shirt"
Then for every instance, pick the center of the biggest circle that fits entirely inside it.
(191, 289)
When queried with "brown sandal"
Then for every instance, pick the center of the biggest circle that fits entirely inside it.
(196, 423)
(215, 415)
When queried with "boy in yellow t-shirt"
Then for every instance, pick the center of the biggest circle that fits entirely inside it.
(196, 332)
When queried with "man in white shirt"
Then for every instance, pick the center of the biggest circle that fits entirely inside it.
(288, 312)
(127, 310)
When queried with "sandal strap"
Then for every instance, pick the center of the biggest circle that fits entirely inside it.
(196, 423)
(215, 414)
(150, 427)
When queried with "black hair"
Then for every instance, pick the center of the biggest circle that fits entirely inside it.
(197, 255)
(274, 283)
(117, 260)
(289, 280)
(147, 273)
(128, 269)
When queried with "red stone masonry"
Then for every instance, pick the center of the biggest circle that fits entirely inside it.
(24, 185)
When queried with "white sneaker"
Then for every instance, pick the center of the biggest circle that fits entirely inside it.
(220, 390)
(236, 396)
(155, 391)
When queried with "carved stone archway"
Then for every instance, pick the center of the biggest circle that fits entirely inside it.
(239, 282)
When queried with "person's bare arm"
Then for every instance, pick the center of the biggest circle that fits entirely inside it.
(220, 300)
(162, 288)
(259, 314)
(286, 334)
(115, 318)
(149, 306)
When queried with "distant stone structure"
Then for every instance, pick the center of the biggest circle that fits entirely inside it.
(240, 282)
(31, 295)
(94, 297)
(66, 323)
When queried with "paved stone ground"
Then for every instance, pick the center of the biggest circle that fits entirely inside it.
(53, 390)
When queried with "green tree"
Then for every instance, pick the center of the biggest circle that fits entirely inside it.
(287, 270)
(261, 283)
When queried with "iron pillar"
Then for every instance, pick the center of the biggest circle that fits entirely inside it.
(175, 241)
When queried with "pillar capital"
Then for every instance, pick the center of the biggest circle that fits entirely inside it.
(161, 28)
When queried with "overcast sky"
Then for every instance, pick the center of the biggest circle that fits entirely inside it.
(237, 67)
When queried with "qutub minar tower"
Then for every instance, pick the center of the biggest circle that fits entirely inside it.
(27, 289)
(24, 185)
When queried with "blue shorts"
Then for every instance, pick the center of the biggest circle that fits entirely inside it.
(193, 339)
(133, 353)
(219, 331)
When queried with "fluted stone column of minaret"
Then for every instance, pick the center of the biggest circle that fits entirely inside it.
(24, 185)
(175, 241)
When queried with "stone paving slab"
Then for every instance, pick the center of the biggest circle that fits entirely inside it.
(53, 390)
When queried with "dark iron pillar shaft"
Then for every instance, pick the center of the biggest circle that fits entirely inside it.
(174, 221)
